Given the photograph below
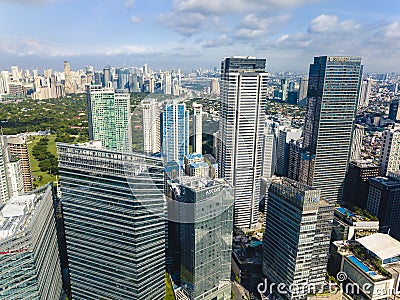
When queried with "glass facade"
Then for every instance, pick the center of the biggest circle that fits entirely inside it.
(205, 237)
(333, 88)
(29, 258)
(175, 133)
(115, 222)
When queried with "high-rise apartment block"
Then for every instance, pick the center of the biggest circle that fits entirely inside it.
(151, 126)
(356, 185)
(202, 236)
(175, 132)
(29, 257)
(333, 89)
(269, 149)
(390, 154)
(241, 129)
(356, 145)
(296, 237)
(365, 91)
(109, 113)
(115, 222)
(18, 148)
(198, 128)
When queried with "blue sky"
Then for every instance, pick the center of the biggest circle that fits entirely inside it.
(190, 34)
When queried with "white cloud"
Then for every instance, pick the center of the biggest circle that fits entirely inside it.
(130, 3)
(323, 23)
(253, 26)
(187, 23)
(220, 41)
(136, 19)
(221, 7)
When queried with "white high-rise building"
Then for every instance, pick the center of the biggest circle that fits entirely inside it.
(365, 91)
(240, 149)
(4, 82)
(269, 149)
(15, 74)
(390, 153)
(286, 133)
(303, 89)
(198, 127)
(356, 144)
(167, 83)
(151, 126)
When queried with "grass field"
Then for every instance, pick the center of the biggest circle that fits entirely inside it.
(41, 178)
(169, 291)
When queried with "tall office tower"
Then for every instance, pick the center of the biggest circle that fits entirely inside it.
(114, 217)
(18, 147)
(284, 89)
(294, 158)
(214, 86)
(109, 113)
(241, 129)
(296, 255)
(175, 133)
(389, 160)
(201, 240)
(68, 78)
(4, 187)
(303, 89)
(285, 135)
(198, 127)
(145, 70)
(356, 184)
(384, 203)
(106, 76)
(365, 91)
(175, 87)
(123, 78)
(269, 149)
(356, 144)
(29, 257)
(151, 126)
(4, 82)
(167, 83)
(394, 111)
(333, 88)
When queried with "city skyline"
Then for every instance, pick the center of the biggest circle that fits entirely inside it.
(193, 33)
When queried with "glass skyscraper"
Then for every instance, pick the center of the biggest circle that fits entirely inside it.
(109, 113)
(296, 238)
(175, 133)
(115, 222)
(333, 88)
(201, 235)
(29, 258)
(241, 130)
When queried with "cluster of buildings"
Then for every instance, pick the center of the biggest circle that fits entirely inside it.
(270, 196)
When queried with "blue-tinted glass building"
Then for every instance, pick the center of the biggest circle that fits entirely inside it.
(175, 133)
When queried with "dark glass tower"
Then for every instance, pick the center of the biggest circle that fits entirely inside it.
(114, 216)
(333, 89)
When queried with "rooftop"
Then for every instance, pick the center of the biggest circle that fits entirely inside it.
(382, 245)
(16, 214)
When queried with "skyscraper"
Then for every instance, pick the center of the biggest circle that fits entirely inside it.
(269, 149)
(109, 113)
(241, 129)
(114, 217)
(390, 154)
(303, 90)
(197, 128)
(151, 126)
(356, 145)
(202, 240)
(356, 185)
(296, 237)
(175, 132)
(18, 147)
(285, 135)
(29, 257)
(394, 111)
(384, 203)
(68, 78)
(333, 88)
(365, 91)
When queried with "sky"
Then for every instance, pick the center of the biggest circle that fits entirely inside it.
(191, 34)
